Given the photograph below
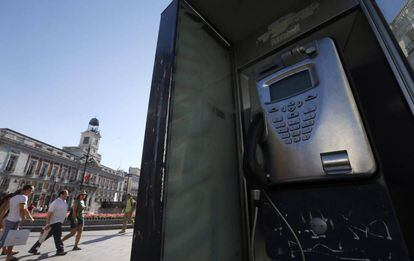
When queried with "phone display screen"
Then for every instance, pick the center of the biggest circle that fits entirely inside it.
(291, 85)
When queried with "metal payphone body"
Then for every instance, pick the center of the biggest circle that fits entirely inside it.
(314, 129)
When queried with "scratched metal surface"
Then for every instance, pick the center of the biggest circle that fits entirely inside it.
(147, 237)
(361, 225)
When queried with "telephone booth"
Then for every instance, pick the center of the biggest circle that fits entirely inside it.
(279, 130)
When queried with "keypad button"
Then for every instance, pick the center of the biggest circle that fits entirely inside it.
(293, 121)
(283, 108)
(280, 124)
(299, 104)
(273, 109)
(278, 119)
(282, 130)
(288, 141)
(294, 127)
(296, 133)
(309, 116)
(309, 109)
(293, 115)
(285, 135)
(306, 136)
(311, 97)
(296, 139)
(291, 109)
(307, 130)
(291, 103)
(307, 123)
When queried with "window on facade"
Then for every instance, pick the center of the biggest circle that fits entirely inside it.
(5, 182)
(39, 186)
(86, 140)
(63, 172)
(72, 176)
(11, 163)
(43, 169)
(54, 170)
(31, 168)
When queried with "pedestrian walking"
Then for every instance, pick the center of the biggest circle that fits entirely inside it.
(76, 219)
(129, 208)
(17, 212)
(4, 210)
(56, 215)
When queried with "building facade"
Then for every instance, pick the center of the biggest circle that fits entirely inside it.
(24, 160)
(403, 28)
(132, 182)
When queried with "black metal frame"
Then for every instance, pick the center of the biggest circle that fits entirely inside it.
(148, 233)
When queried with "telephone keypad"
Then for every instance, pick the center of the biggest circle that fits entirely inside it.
(311, 97)
(282, 130)
(296, 133)
(293, 121)
(273, 109)
(293, 115)
(309, 116)
(279, 125)
(306, 136)
(295, 118)
(308, 123)
(294, 127)
(278, 119)
(307, 130)
(285, 135)
(309, 109)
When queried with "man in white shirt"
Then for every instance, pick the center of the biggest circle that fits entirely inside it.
(17, 212)
(56, 215)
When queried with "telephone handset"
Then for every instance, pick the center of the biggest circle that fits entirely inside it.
(313, 128)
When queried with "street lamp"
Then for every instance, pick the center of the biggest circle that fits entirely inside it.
(84, 167)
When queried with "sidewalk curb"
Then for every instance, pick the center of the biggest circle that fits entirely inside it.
(85, 228)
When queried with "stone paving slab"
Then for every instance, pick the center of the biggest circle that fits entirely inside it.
(96, 245)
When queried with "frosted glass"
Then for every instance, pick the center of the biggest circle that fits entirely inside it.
(203, 217)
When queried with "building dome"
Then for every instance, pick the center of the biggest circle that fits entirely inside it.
(94, 122)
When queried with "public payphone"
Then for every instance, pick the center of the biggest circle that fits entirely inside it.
(313, 127)
(276, 131)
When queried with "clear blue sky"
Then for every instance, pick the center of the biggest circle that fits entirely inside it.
(63, 62)
(390, 8)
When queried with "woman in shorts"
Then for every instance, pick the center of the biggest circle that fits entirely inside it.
(76, 219)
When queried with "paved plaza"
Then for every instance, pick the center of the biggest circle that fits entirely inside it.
(96, 245)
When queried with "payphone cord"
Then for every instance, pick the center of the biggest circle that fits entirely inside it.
(254, 174)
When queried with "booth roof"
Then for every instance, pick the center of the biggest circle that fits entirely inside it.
(237, 19)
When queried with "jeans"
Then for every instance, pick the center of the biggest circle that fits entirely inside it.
(56, 232)
(8, 225)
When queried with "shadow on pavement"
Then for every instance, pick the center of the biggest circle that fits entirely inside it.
(42, 256)
(103, 238)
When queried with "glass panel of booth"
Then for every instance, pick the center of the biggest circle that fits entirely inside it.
(202, 218)
(399, 14)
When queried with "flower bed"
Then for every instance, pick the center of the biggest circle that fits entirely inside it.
(87, 216)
